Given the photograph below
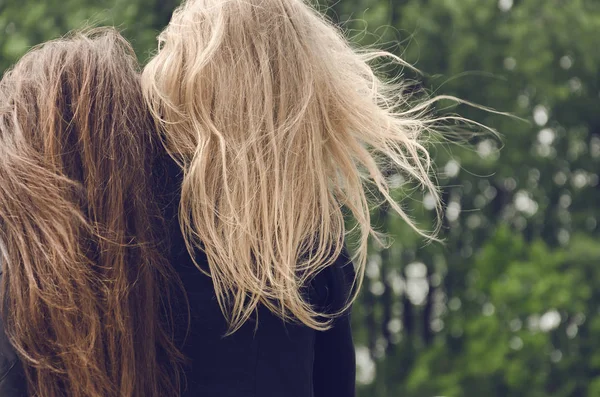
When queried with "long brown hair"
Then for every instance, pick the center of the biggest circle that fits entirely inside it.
(83, 278)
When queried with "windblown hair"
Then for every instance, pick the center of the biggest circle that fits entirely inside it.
(280, 126)
(82, 271)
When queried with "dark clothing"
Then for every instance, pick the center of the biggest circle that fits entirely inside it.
(275, 359)
(271, 359)
(12, 378)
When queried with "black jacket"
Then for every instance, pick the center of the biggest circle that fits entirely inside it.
(273, 359)
(12, 378)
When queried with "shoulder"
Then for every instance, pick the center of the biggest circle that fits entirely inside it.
(12, 377)
(332, 287)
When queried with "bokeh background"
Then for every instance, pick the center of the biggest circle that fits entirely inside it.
(509, 305)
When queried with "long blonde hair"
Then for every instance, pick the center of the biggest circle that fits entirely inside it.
(84, 285)
(279, 125)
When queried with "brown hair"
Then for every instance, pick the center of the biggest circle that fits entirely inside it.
(83, 280)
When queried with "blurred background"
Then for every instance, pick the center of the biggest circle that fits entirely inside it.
(508, 305)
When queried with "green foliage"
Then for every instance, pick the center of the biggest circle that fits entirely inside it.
(510, 309)
(507, 306)
(24, 24)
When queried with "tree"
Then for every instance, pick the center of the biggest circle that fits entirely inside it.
(538, 193)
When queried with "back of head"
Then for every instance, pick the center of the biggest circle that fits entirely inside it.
(82, 271)
(279, 124)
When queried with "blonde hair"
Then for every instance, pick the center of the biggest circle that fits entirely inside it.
(279, 126)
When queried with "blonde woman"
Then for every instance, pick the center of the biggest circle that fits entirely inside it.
(279, 128)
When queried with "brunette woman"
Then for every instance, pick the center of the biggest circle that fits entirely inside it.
(84, 283)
